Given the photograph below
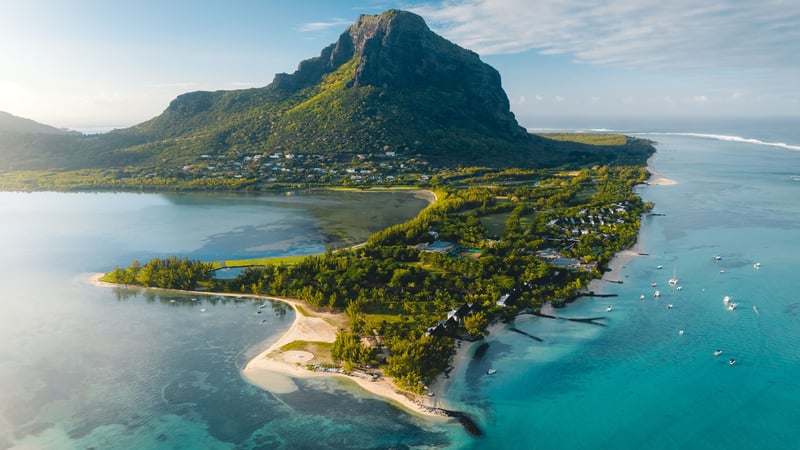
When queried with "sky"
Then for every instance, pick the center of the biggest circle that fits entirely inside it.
(94, 64)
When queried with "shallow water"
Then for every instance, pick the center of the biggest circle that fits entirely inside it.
(83, 366)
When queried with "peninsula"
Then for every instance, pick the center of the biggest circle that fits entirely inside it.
(520, 221)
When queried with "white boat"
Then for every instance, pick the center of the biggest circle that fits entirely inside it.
(653, 284)
(680, 333)
(757, 266)
(608, 309)
(679, 288)
(659, 267)
(674, 280)
(726, 299)
(641, 297)
(732, 361)
(202, 310)
(717, 258)
(491, 372)
(657, 294)
(669, 306)
(731, 306)
(717, 352)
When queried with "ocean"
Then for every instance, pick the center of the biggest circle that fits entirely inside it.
(89, 367)
(650, 378)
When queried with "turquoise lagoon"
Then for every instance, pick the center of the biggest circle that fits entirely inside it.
(83, 366)
(639, 382)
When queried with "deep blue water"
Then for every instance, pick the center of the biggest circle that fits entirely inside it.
(82, 366)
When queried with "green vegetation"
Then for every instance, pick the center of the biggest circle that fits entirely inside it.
(588, 138)
(399, 296)
(377, 108)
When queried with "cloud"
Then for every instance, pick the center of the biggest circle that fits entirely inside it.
(539, 98)
(700, 99)
(520, 101)
(559, 99)
(319, 26)
(628, 33)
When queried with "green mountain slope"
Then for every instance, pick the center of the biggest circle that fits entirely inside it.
(388, 84)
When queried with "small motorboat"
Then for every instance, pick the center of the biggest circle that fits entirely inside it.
(202, 310)
(653, 284)
(660, 267)
(726, 299)
(732, 306)
(608, 308)
(669, 306)
(717, 258)
(641, 297)
(757, 266)
(717, 352)
(680, 333)
(657, 294)
(491, 372)
(732, 361)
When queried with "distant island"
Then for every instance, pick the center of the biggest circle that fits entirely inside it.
(520, 221)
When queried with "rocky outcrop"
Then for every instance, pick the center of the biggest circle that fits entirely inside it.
(396, 51)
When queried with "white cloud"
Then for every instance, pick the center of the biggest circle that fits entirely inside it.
(559, 99)
(594, 100)
(628, 33)
(700, 99)
(539, 98)
(520, 101)
(319, 26)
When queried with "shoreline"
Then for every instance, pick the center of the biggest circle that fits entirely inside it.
(272, 369)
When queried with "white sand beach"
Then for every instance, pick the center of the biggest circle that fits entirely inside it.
(273, 369)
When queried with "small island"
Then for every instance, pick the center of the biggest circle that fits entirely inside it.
(392, 312)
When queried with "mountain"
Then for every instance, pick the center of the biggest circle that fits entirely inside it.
(10, 123)
(388, 84)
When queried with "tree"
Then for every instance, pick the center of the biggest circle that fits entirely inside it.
(476, 323)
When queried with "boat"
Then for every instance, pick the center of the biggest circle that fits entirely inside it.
(608, 309)
(717, 258)
(679, 288)
(757, 265)
(680, 333)
(657, 294)
(491, 372)
(731, 306)
(717, 352)
(726, 299)
(755, 309)
(202, 310)
(669, 306)
(674, 280)
(659, 267)
(653, 284)
(641, 297)
(732, 361)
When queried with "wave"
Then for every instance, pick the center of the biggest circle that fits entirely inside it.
(727, 138)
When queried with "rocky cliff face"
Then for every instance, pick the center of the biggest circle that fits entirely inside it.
(396, 51)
